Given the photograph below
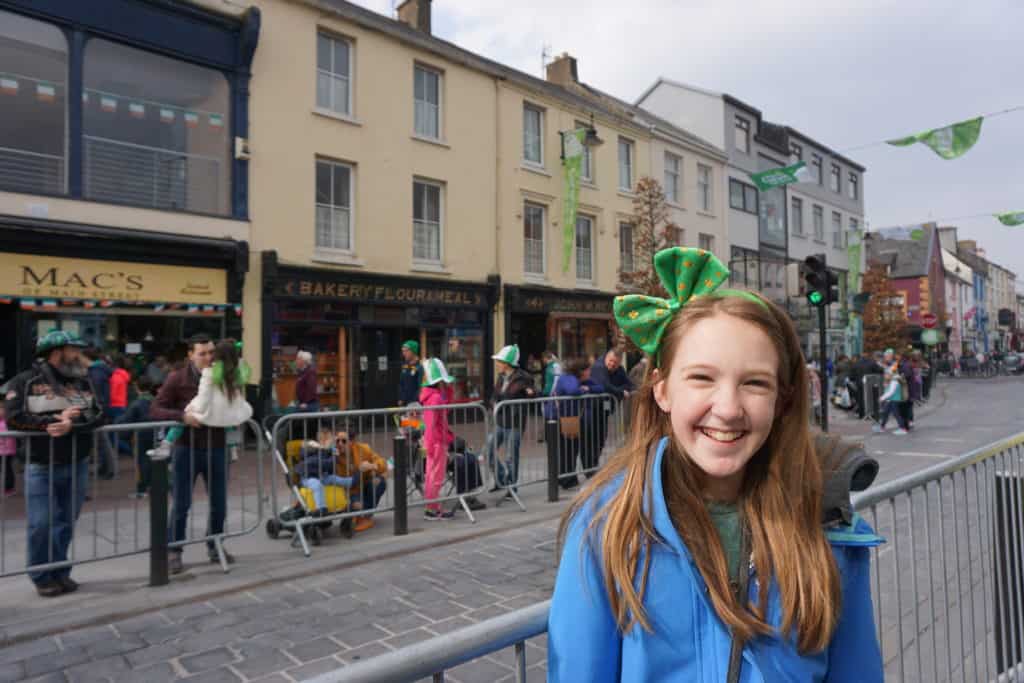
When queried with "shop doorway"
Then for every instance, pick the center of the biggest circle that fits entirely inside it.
(379, 365)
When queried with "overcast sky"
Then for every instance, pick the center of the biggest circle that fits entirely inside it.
(845, 73)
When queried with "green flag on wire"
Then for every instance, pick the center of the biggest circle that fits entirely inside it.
(777, 177)
(572, 144)
(1011, 218)
(949, 142)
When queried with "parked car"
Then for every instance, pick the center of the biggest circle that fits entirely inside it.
(1013, 363)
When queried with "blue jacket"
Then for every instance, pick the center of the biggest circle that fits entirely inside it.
(689, 643)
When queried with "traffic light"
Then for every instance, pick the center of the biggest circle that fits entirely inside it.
(822, 284)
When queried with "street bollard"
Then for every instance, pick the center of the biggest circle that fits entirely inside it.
(1009, 575)
(158, 575)
(401, 473)
(552, 438)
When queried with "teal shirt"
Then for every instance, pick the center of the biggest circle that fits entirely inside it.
(726, 518)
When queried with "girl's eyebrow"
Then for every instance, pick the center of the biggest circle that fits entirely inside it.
(758, 372)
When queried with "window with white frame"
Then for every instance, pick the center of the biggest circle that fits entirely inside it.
(837, 229)
(334, 74)
(427, 102)
(533, 238)
(625, 164)
(706, 242)
(533, 135)
(796, 151)
(426, 221)
(584, 249)
(333, 205)
(816, 168)
(833, 178)
(742, 137)
(705, 197)
(853, 186)
(626, 259)
(587, 161)
(819, 223)
(676, 237)
(673, 171)
(742, 196)
(796, 214)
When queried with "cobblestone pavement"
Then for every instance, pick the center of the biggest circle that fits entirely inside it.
(292, 632)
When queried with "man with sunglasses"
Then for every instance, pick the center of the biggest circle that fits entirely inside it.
(369, 471)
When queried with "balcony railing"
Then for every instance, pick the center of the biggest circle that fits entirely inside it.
(24, 171)
(150, 176)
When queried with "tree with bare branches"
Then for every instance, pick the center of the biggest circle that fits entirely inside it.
(652, 232)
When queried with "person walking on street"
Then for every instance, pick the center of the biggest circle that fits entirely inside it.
(552, 370)
(54, 396)
(512, 383)
(891, 401)
(200, 452)
(306, 393)
(436, 391)
(607, 371)
(100, 373)
(412, 374)
(905, 367)
(157, 370)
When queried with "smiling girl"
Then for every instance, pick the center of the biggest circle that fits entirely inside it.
(699, 552)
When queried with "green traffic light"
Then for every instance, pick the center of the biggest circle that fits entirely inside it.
(815, 298)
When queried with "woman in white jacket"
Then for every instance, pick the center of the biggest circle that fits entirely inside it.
(220, 401)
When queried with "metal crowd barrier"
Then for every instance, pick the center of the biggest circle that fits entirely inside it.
(399, 433)
(553, 440)
(872, 397)
(127, 513)
(947, 586)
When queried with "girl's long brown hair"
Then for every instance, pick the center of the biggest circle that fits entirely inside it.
(781, 500)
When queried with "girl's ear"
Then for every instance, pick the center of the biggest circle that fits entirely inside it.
(660, 391)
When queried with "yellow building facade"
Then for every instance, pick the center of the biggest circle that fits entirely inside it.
(405, 189)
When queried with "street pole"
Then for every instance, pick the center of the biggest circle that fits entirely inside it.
(823, 375)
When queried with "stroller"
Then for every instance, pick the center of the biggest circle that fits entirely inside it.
(303, 518)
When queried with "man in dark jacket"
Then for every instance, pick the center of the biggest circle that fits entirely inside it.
(412, 374)
(138, 443)
(54, 396)
(865, 366)
(607, 371)
(100, 373)
(199, 452)
(512, 383)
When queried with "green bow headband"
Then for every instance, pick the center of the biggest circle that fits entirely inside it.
(685, 273)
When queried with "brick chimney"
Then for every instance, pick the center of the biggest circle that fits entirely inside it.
(562, 71)
(415, 13)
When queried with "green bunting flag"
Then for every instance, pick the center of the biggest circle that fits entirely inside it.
(777, 177)
(1011, 218)
(949, 142)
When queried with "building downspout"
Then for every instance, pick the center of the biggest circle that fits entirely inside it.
(500, 302)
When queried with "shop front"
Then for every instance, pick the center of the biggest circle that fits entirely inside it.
(354, 324)
(571, 323)
(130, 292)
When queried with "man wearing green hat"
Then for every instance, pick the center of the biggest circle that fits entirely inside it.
(512, 383)
(412, 374)
(56, 397)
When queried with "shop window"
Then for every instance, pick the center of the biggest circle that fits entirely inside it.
(334, 74)
(533, 239)
(33, 106)
(584, 249)
(156, 131)
(426, 222)
(333, 206)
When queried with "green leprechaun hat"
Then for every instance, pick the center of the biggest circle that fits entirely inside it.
(434, 372)
(509, 354)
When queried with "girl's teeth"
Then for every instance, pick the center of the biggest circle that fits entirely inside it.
(722, 436)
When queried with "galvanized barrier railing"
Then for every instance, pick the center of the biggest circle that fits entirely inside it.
(127, 513)
(401, 434)
(950, 609)
(553, 440)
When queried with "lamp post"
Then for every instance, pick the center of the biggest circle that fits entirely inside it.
(592, 139)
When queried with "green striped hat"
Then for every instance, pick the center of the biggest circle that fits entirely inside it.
(434, 372)
(509, 354)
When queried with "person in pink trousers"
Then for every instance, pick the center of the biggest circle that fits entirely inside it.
(436, 391)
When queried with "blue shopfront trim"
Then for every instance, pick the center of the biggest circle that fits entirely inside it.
(174, 29)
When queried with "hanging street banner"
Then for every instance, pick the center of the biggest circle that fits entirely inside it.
(572, 145)
(777, 177)
(949, 142)
(1011, 218)
(854, 328)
